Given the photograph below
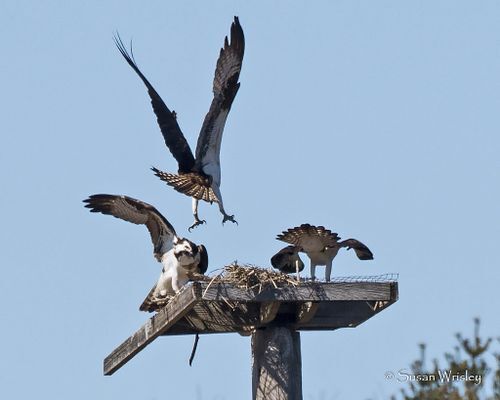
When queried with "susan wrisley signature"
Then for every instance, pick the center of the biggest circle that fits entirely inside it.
(443, 375)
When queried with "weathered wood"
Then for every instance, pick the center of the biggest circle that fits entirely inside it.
(306, 311)
(277, 365)
(309, 291)
(166, 317)
(268, 311)
(205, 308)
(220, 317)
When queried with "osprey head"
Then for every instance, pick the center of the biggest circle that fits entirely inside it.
(186, 252)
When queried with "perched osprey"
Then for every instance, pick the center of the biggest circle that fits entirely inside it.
(179, 256)
(199, 177)
(287, 260)
(321, 246)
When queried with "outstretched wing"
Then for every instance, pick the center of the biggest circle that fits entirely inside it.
(287, 260)
(174, 139)
(225, 87)
(203, 265)
(361, 250)
(135, 211)
(309, 238)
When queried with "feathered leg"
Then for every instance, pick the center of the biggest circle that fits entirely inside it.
(328, 271)
(177, 281)
(227, 217)
(197, 221)
(313, 271)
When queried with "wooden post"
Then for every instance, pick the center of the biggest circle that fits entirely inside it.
(277, 365)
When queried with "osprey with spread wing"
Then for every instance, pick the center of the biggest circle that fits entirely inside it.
(199, 177)
(287, 260)
(321, 246)
(180, 257)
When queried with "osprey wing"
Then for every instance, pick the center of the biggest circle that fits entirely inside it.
(225, 87)
(203, 265)
(172, 134)
(309, 238)
(287, 260)
(361, 250)
(135, 211)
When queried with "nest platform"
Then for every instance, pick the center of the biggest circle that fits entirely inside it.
(207, 307)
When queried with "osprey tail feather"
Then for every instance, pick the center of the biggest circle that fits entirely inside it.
(190, 184)
(150, 303)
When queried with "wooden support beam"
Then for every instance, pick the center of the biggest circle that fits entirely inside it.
(276, 368)
(268, 311)
(306, 311)
(165, 318)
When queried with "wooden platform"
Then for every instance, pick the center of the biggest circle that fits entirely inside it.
(206, 308)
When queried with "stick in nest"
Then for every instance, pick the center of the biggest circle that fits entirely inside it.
(251, 277)
(247, 277)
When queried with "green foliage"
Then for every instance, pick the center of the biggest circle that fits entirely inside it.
(465, 375)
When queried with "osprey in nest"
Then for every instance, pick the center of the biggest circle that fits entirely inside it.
(180, 257)
(287, 260)
(321, 246)
(199, 176)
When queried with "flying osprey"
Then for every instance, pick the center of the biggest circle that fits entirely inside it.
(199, 177)
(287, 260)
(179, 256)
(321, 246)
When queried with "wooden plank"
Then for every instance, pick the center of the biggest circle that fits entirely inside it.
(340, 314)
(277, 364)
(174, 310)
(231, 315)
(218, 316)
(394, 291)
(201, 307)
(309, 291)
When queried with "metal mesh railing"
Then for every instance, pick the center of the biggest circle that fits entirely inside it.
(390, 277)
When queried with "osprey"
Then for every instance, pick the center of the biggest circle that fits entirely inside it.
(287, 260)
(199, 177)
(321, 246)
(180, 257)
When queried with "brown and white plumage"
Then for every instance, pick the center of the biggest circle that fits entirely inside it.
(179, 256)
(199, 177)
(321, 245)
(287, 260)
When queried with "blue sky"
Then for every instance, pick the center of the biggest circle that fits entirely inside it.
(378, 120)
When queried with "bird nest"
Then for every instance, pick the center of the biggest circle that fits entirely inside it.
(248, 277)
